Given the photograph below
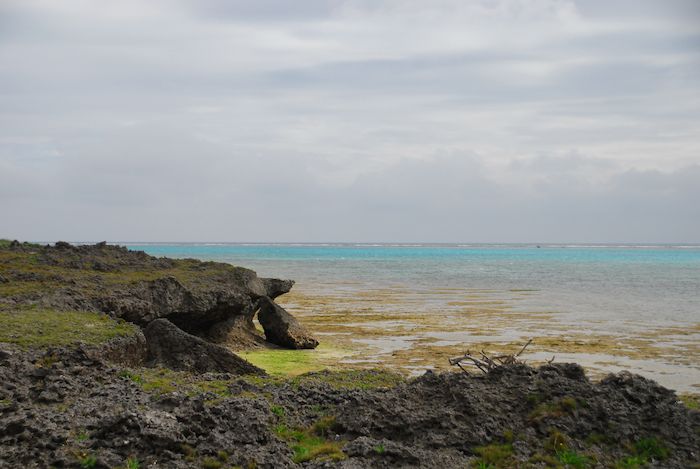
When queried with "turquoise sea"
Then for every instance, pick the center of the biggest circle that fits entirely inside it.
(617, 282)
(597, 289)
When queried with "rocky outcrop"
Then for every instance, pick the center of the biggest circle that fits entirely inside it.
(212, 302)
(281, 328)
(174, 348)
(129, 350)
(59, 407)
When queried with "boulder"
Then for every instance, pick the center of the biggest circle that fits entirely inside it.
(281, 328)
(170, 346)
(275, 287)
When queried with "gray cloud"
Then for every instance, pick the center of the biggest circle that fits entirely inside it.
(547, 120)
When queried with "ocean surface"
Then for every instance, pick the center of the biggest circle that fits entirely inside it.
(659, 284)
(626, 289)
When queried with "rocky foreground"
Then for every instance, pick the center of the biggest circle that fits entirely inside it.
(111, 358)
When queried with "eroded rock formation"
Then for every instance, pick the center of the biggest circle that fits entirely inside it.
(186, 307)
(282, 328)
(171, 347)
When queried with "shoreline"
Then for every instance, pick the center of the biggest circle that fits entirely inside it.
(111, 358)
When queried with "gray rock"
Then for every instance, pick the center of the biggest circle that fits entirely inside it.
(282, 328)
(130, 350)
(275, 287)
(174, 348)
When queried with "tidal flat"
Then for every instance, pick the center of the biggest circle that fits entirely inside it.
(411, 331)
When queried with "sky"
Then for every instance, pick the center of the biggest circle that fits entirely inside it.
(366, 121)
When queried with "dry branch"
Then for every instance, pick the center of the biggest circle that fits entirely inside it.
(487, 363)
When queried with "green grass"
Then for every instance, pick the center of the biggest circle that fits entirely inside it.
(631, 462)
(556, 408)
(132, 463)
(557, 441)
(651, 448)
(644, 451)
(136, 378)
(163, 381)
(313, 442)
(337, 379)
(495, 455)
(572, 459)
(279, 362)
(211, 463)
(86, 460)
(38, 327)
(353, 379)
(278, 410)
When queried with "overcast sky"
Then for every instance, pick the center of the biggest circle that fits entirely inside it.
(278, 120)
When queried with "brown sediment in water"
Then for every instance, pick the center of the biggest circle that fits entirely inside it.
(411, 331)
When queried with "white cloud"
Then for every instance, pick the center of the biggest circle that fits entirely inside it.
(351, 114)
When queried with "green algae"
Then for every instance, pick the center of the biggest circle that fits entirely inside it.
(281, 362)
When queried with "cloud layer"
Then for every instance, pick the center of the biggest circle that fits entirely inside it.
(533, 120)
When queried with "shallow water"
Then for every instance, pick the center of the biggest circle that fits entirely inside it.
(457, 295)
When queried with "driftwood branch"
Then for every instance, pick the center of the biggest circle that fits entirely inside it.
(487, 363)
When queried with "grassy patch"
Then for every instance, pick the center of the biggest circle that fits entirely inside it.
(651, 449)
(211, 463)
(571, 458)
(631, 462)
(278, 410)
(495, 455)
(353, 379)
(313, 442)
(557, 441)
(37, 327)
(691, 401)
(5, 243)
(163, 381)
(280, 362)
(86, 460)
(557, 408)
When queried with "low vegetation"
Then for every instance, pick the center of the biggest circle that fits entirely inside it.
(691, 401)
(39, 327)
(556, 408)
(315, 442)
(494, 456)
(279, 362)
